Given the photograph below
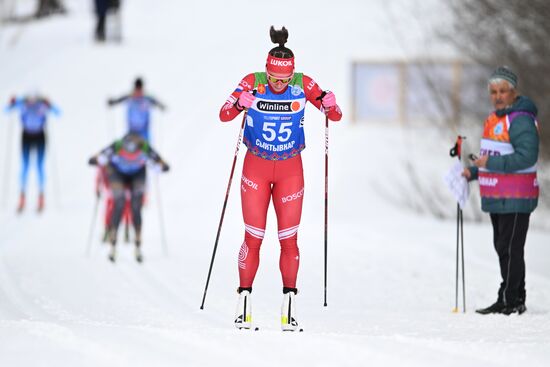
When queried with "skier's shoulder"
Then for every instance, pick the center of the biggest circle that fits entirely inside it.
(152, 100)
(308, 81)
(311, 88)
(248, 82)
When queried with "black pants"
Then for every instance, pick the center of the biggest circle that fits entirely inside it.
(102, 7)
(30, 142)
(119, 183)
(509, 233)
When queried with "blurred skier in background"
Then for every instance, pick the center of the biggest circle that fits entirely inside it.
(102, 187)
(104, 9)
(34, 110)
(274, 100)
(125, 162)
(139, 106)
(138, 117)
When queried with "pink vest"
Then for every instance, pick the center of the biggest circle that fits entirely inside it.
(520, 184)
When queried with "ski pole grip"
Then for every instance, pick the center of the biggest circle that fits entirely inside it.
(457, 148)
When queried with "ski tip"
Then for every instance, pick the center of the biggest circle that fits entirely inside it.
(256, 328)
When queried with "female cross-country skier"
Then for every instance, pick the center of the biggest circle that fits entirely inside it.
(138, 117)
(102, 186)
(34, 110)
(274, 101)
(125, 161)
(139, 106)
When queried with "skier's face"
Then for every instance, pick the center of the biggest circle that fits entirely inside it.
(278, 82)
(501, 94)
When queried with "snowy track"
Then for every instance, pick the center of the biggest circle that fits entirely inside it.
(391, 270)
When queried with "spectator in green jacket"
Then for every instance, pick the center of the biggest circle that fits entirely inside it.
(507, 175)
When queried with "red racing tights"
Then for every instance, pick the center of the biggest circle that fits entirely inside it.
(263, 179)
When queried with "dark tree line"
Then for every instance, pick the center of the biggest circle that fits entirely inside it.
(515, 33)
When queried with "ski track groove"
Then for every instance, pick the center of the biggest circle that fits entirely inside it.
(134, 275)
(18, 298)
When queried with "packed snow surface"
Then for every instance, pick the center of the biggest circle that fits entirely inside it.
(391, 269)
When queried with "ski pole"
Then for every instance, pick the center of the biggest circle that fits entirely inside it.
(462, 256)
(320, 98)
(223, 209)
(161, 217)
(455, 309)
(92, 225)
(326, 206)
(456, 151)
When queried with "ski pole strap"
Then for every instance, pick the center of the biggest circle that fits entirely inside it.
(320, 98)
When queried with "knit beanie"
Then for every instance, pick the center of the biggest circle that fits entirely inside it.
(503, 72)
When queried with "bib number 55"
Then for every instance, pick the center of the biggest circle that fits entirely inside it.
(271, 134)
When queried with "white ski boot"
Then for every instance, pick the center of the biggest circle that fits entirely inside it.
(288, 310)
(243, 316)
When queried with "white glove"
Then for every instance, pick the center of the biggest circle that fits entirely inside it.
(102, 160)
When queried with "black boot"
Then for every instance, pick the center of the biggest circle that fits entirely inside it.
(497, 307)
(518, 308)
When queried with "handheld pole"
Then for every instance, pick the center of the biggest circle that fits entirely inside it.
(456, 151)
(462, 257)
(326, 207)
(223, 209)
(455, 309)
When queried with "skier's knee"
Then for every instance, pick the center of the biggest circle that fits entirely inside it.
(252, 242)
(289, 244)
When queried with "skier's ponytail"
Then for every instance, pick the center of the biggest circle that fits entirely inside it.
(280, 37)
(280, 59)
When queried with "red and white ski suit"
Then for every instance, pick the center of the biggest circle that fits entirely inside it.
(280, 180)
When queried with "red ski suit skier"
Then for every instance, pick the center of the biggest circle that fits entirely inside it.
(279, 178)
(102, 184)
